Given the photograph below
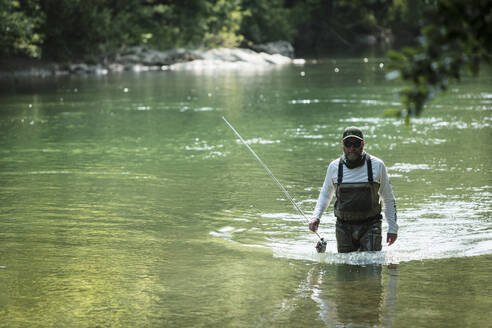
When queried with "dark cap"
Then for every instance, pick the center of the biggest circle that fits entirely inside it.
(352, 132)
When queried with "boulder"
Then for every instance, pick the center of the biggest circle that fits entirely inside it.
(79, 68)
(127, 59)
(283, 48)
(135, 50)
(276, 59)
(82, 68)
(231, 58)
(367, 39)
(232, 55)
(152, 57)
(178, 55)
(143, 58)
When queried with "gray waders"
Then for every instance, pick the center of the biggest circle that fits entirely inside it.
(358, 213)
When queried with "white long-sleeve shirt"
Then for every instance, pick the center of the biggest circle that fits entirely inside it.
(359, 174)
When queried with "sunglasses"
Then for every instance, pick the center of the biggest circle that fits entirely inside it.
(349, 144)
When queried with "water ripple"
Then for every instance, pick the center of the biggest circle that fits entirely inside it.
(444, 227)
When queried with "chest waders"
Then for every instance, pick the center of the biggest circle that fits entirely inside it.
(358, 211)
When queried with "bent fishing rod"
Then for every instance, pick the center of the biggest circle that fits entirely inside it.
(321, 245)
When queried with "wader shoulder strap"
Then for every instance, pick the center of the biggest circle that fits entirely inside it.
(340, 170)
(369, 168)
(370, 178)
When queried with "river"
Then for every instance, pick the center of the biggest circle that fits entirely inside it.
(126, 201)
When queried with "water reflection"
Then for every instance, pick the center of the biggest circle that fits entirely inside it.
(351, 295)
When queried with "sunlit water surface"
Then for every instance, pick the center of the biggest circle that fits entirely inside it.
(127, 201)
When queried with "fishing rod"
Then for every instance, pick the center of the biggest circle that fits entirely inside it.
(321, 245)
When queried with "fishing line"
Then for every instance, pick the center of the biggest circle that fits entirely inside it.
(321, 246)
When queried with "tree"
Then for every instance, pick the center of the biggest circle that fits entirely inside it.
(266, 21)
(458, 37)
(81, 29)
(18, 28)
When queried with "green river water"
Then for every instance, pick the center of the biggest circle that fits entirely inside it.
(127, 202)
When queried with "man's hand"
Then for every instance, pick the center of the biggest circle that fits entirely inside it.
(391, 238)
(313, 224)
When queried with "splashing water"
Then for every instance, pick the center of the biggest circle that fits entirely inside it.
(435, 230)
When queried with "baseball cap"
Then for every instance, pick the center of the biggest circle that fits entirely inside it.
(352, 132)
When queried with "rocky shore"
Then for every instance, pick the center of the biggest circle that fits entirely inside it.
(142, 58)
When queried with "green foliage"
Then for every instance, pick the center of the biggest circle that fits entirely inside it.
(19, 22)
(330, 25)
(84, 29)
(266, 21)
(223, 23)
(81, 29)
(74, 28)
(459, 37)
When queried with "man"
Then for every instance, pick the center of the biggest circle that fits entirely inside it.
(359, 182)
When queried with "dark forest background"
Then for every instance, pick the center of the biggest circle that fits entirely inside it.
(80, 29)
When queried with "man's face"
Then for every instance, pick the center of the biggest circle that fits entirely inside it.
(354, 150)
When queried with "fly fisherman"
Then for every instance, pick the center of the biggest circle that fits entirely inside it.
(359, 182)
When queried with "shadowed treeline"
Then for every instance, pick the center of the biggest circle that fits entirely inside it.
(68, 29)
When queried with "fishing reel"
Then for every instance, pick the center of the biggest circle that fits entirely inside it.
(321, 246)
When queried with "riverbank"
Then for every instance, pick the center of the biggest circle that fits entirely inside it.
(142, 58)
